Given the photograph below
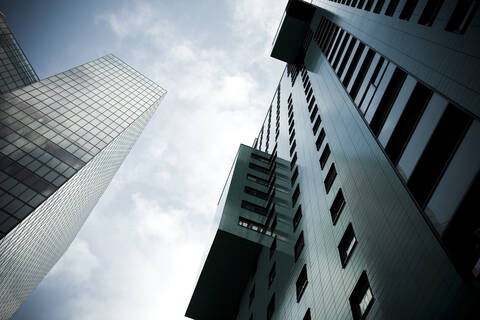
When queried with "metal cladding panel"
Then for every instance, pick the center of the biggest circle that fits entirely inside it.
(30, 248)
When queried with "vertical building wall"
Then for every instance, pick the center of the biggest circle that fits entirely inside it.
(63, 139)
(15, 70)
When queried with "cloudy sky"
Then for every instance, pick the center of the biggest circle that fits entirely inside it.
(139, 253)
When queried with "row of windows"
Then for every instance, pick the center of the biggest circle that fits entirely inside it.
(431, 142)
(458, 22)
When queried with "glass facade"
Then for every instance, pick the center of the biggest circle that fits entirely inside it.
(61, 141)
(15, 70)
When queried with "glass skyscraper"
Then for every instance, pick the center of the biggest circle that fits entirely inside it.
(358, 198)
(61, 141)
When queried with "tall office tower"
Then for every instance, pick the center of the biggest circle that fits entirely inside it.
(377, 115)
(61, 141)
(15, 70)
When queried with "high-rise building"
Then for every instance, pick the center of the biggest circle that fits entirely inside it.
(61, 141)
(15, 70)
(357, 199)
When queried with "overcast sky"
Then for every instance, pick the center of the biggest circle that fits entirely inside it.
(139, 253)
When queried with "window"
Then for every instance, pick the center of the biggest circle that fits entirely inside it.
(337, 206)
(251, 296)
(361, 74)
(252, 225)
(391, 7)
(274, 223)
(299, 246)
(388, 98)
(256, 193)
(273, 247)
(271, 275)
(251, 317)
(346, 57)
(314, 113)
(430, 12)
(294, 176)
(309, 95)
(320, 139)
(294, 161)
(295, 196)
(407, 122)
(340, 50)
(302, 282)
(292, 148)
(369, 5)
(437, 153)
(297, 218)
(271, 308)
(308, 315)
(332, 173)
(347, 245)
(256, 179)
(408, 9)
(353, 64)
(324, 156)
(253, 207)
(292, 136)
(361, 299)
(310, 105)
(291, 127)
(316, 125)
(378, 6)
(260, 158)
(257, 167)
(462, 16)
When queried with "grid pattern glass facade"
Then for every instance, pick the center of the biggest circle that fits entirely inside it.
(62, 140)
(52, 128)
(15, 70)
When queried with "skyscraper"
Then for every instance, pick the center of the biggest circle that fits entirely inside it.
(62, 140)
(376, 118)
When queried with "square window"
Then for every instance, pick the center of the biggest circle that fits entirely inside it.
(302, 282)
(299, 246)
(361, 299)
(347, 245)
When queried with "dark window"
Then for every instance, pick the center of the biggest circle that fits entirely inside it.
(337, 206)
(320, 139)
(341, 49)
(253, 207)
(297, 218)
(388, 98)
(271, 275)
(369, 5)
(337, 42)
(314, 113)
(378, 6)
(273, 247)
(332, 173)
(274, 224)
(256, 179)
(408, 9)
(408, 121)
(462, 16)
(294, 161)
(316, 125)
(362, 73)
(301, 283)
(291, 127)
(308, 315)
(309, 95)
(353, 64)
(261, 158)
(294, 177)
(361, 299)
(271, 308)
(251, 317)
(292, 148)
(430, 12)
(256, 193)
(299, 246)
(346, 57)
(295, 196)
(360, 4)
(347, 245)
(310, 105)
(437, 154)
(251, 296)
(257, 167)
(292, 136)
(324, 156)
(391, 7)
